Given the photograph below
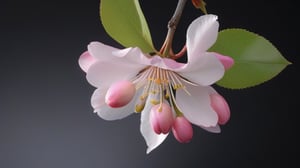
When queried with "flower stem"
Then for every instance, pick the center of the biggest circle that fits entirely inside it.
(166, 49)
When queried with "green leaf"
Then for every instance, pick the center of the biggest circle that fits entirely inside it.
(124, 21)
(256, 60)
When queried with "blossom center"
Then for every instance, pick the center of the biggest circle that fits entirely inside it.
(161, 84)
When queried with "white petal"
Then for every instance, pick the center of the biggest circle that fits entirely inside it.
(201, 35)
(85, 61)
(204, 70)
(101, 51)
(215, 129)
(108, 113)
(132, 55)
(196, 107)
(166, 63)
(152, 139)
(104, 73)
(98, 98)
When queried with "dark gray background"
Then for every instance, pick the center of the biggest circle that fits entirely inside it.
(46, 120)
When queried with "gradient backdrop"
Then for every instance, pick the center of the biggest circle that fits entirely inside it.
(46, 120)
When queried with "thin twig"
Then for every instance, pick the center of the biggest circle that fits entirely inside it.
(166, 49)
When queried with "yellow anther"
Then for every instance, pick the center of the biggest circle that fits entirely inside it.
(153, 91)
(158, 81)
(178, 86)
(154, 102)
(167, 96)
(143, 97)
(139, 107)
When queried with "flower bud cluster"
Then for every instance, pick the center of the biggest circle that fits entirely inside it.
(163, 119)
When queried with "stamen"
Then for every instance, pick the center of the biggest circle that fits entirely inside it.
(139, 108)
(141, 105)
(162, 84)
(161, 94)
(174, 105)
(154, 102)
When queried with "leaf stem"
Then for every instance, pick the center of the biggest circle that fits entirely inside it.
(166, 49)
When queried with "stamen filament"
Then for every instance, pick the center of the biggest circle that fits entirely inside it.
(162, 84)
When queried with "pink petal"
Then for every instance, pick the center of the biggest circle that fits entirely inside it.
(196, 107)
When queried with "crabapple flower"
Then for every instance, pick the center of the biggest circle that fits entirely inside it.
(167, 94)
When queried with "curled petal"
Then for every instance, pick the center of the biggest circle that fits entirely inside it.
(225, 60)
(220, 105)
(201, 35)
(101, 51)
(131, 55)
(182, 130)
(85, 61)
(204, 70)
(113, 64)
(196, 107)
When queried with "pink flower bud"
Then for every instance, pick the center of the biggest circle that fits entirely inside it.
(120, 94)
(161, 118)
(221, 107)
(225, 60)
(182, 129)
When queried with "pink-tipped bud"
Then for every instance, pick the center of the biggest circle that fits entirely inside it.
(120, 94)
(225, 60)
(161, 118)
(182, 129)
(221, 107)
(85, 61)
